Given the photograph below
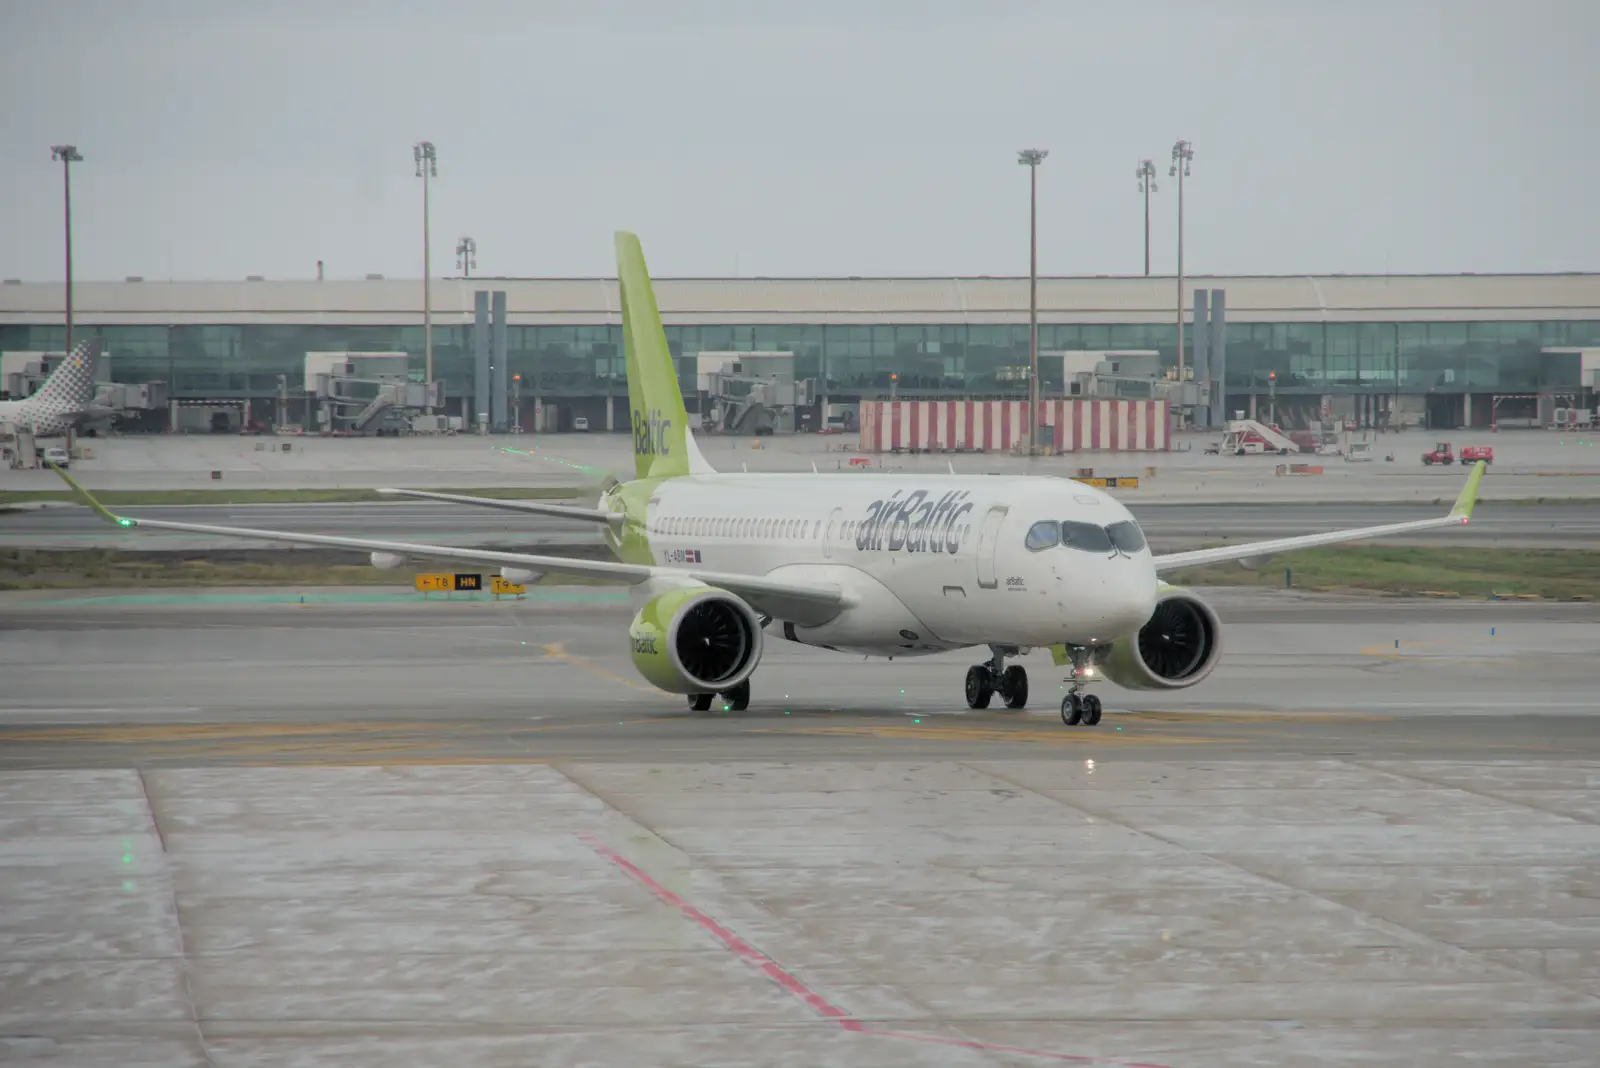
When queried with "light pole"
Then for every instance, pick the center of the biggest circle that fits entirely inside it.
(68, 155)
(1147, 185)
(427, 166)
(1182, 153)
(1031, 158)
(466, 256)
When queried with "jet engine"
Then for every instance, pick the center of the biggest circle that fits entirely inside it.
(695, 640)
(1177, 648)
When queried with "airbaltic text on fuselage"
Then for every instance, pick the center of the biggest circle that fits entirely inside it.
(914, 524)
(650, 434)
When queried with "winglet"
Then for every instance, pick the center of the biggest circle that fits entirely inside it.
(100, 509)
(1469, 494)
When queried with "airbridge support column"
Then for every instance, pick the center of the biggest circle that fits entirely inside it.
(1201, 363)
(480, 355)
(1218, 345)
(497, 360)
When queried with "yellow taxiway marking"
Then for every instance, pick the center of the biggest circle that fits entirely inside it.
(1199, 716)
(557, 650)
(1398, 651)
(211, 734)
(940, 732)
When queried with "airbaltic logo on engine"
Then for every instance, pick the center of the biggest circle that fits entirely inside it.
(650, 434)
(915, 524)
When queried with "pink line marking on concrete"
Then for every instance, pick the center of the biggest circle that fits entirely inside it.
(740, 948)
(791, 984)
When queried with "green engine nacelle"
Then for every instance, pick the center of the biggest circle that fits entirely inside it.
(1178, 647)
(695, 640)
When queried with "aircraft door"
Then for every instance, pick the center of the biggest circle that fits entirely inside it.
(988, 544)
(830, 533)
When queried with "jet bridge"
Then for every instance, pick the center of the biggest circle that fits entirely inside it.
(750, 393)
(366, 392)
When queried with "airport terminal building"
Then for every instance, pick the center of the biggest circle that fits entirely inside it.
(1439, 348)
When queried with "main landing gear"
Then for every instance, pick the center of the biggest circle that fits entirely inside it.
(986, 680)
(1078, 708)
(738, 699)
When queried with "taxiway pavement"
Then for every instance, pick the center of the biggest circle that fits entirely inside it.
(374, 830)
(1528, 465)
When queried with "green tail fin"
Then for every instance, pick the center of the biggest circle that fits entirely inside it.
(662, 447)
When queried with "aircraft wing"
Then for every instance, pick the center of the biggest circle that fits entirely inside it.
(808, 604)
(558, 511)
(1459, 514)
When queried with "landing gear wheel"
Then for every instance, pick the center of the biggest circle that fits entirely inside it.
(1072, 710)
(739, 697)
(1091, 710)
(700, 702)
(980, 686)
(1014, 686)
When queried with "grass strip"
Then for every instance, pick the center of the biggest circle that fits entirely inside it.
(1557, 574)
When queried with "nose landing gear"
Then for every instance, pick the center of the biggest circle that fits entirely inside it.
(1079, 708)
(986, 680)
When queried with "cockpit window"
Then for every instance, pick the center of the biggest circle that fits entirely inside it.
(1126, 536)
(1045, 534)
(1085, 536)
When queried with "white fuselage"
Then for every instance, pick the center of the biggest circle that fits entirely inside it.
(932, 562)
(40, 420)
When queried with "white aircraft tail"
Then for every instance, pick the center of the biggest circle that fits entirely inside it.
(66, 393)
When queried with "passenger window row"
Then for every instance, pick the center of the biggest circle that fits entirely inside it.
(1049, 533)
(707, 527)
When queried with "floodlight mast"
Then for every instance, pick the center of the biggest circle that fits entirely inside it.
(1031, 158)
(1182, 154)
(67, 155)
(1146, 173)
(427, 161)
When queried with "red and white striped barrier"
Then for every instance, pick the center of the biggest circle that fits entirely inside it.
(1065, 425)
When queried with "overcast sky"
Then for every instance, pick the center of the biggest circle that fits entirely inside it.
(230, 137)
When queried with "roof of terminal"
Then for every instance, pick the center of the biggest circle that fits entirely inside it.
(585, 301)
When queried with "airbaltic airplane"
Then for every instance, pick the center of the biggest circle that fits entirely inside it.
(878, 564)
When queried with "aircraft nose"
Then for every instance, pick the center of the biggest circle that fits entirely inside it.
(1115, 603)
(1130, 595)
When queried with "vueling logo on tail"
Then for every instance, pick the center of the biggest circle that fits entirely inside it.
(650, 434)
